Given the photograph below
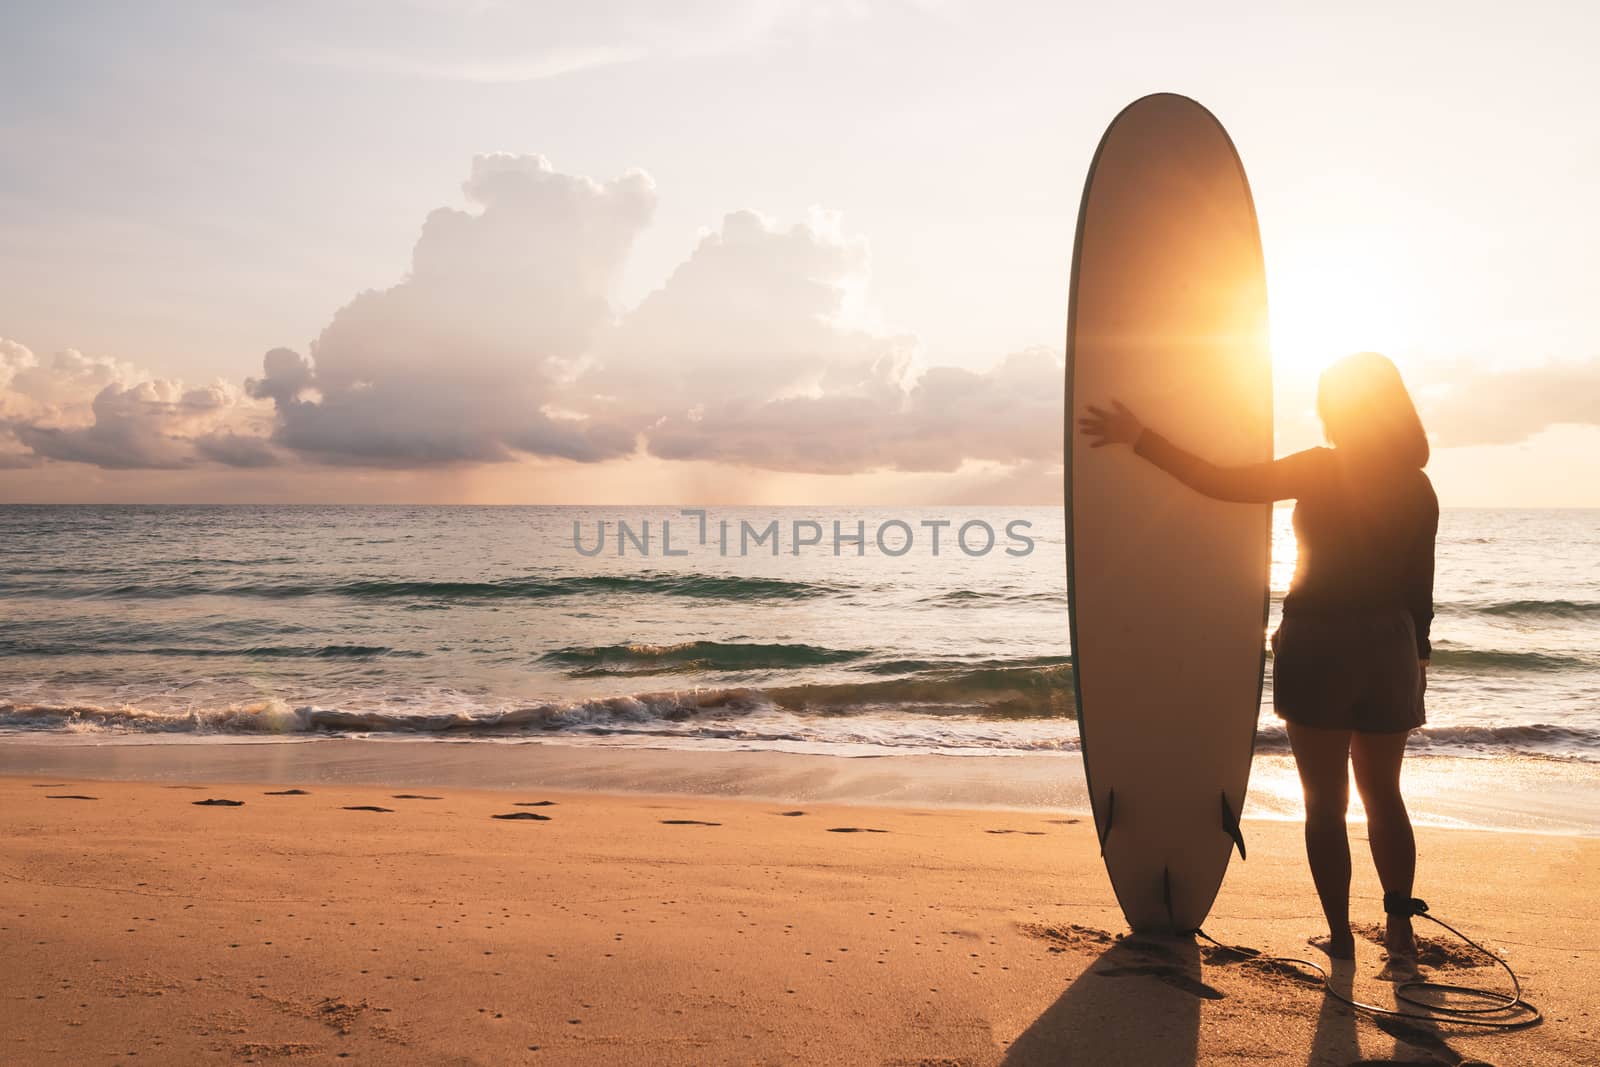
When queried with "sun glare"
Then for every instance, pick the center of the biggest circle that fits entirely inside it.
(1327, 302)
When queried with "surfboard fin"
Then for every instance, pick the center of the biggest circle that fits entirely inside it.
(1230, 823)
(1111, 814)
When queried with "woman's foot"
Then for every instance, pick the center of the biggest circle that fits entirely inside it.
(1401, 945)
(1337, 948)
(1399, 939)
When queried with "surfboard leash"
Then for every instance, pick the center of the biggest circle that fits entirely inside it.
(1494, 1003)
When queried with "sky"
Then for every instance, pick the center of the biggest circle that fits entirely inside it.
(745, 252)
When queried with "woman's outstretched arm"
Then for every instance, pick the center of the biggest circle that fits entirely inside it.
(1255, 483)
(1282, 479)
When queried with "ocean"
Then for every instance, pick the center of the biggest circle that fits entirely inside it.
(831, 630)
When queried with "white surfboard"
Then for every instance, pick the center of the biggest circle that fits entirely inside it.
(1167, 589)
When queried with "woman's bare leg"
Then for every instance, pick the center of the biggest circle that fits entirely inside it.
(1322, 757)
(1376, 759)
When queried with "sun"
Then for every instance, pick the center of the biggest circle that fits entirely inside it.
(1329, 299)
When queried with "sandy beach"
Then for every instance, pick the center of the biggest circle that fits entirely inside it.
(364, 922)
(620, 535)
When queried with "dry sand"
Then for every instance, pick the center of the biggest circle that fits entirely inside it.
(140, 926)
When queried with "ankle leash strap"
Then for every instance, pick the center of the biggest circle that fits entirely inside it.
(1403, 904)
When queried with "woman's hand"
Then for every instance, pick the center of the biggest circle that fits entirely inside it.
(1119, 426)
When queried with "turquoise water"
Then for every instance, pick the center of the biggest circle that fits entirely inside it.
(490, 623)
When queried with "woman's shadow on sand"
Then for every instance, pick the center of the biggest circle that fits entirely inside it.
(1337, 1041)
(1139, 1003)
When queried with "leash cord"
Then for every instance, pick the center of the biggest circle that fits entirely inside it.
(1497, 1003)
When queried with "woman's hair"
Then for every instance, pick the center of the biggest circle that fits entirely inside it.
(1365, 409)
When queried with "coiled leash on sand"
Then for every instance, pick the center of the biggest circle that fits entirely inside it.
(1498, 1004)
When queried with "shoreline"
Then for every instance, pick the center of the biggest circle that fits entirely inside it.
(1553, 797)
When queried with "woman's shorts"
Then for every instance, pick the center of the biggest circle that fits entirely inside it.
(1348, 672)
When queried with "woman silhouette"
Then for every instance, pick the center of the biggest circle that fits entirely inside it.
(1351, 655)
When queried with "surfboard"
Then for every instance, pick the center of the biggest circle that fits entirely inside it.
(1167, 590)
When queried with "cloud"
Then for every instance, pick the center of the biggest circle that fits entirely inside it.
(233, 449)
(1010, 414)
(951, 416)
(1485, 407)
(81, 409)
(36, 388)
(759, 351)
(131, 429)
(461, 361)
(758, 311)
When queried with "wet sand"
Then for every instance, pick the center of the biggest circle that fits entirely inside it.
(366, 923)
(1521, 793)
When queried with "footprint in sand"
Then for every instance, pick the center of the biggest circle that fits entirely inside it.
(414, 796)
(532, 803)
(68, 796)
(287, 793)
(1065, 822)
(49, 785)
(366, 807)
(1030, 833)
(1275, 970)
(688, 822)
(1432, 951)
(791, 814)
(522, 815)
(855, 830)
(1068, 935)
(217, 802)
